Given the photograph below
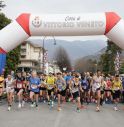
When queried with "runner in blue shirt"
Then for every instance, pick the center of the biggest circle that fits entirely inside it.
(34, 85)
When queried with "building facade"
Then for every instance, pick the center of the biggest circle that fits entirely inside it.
(31, 56)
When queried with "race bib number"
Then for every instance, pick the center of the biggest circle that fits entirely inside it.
(74, 90)
(34, 86)
(116, 88)
(50, 87)
(96, 85)
(60, 87)
(84, 87)
(19, 85)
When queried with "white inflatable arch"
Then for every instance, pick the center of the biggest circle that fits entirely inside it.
(26, 25)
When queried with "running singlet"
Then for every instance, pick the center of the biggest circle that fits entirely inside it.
(67, 78)
(19, 83)
(84, 84)
(117, 85)
(108, 85)
(75, 88)
(97, 82)
(50, 82)
(61, 85)
(1, 82)
(9, 83)
(34, 83)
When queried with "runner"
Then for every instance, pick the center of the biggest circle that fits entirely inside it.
(61, 89)
(34, 84)
(1, 87)
(123, 89)
(19, 88)
(96, 85)
(86, 87)
(116, 88)
(108, 90)
(50, 84)
(43, 92)
(68, 77)
(75, 88)
(102, 88)
(9, 81)
(89, 79)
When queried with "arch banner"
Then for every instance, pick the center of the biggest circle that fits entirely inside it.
(109, 24)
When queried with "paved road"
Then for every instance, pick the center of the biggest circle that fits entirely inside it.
(44, 117)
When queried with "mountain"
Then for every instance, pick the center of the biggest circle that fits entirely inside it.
(95, 56)
(76, 49)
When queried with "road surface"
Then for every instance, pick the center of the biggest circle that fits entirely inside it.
(68, 117)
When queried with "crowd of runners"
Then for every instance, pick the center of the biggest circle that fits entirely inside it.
(80, 89)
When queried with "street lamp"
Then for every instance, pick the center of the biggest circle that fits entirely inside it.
(43, 54)
(45, 50)
(109, 53)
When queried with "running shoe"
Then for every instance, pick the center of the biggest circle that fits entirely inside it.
(78, 110)
(52, 103)
(37, 107)
(44, 101)
(19, 105)
(48, 102)
(59, 109)
(33, 105)
(23, 103)
(97, 109)
(9, 108)
(115, 108)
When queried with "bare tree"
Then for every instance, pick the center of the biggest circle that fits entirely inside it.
(83, 65)
(62, 59)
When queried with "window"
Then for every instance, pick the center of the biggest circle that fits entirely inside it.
(23, 50)
(24, 43)
(23, 56)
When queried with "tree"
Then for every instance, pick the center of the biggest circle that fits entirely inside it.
(4, 21)
(12, 60)
(62, 59)
(107, 59)
(13, 56)
(1, 4)
(122, 69)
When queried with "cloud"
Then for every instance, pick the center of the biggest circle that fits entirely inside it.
(15, 7)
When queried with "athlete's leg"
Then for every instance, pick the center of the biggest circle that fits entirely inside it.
(8, 98)
(41, 95)
(36, 98)
(98, 100)
(11, 98)
(32, 98)
(20, 97)
(78, 104)
(59, 102)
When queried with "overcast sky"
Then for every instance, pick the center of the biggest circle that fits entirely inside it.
(15, 7)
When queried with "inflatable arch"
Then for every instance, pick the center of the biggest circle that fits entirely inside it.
(26, 25)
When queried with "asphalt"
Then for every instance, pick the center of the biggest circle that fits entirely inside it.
(68, 117)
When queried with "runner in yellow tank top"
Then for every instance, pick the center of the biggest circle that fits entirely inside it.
(50, 84)
(116, 88)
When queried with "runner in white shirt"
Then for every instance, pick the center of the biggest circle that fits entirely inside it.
(10, 90)
(96, 85)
